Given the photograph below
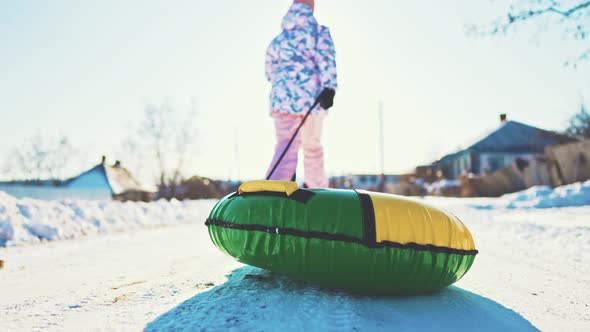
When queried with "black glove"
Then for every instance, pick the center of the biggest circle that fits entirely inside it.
(326, 98)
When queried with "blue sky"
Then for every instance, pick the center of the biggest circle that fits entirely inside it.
(87, 68)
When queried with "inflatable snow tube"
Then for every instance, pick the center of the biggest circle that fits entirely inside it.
(359, 241)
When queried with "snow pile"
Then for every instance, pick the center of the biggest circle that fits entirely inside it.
(577, 194)
(29, 220)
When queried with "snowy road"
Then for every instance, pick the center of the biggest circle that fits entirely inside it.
(534, 266)
(119, 282)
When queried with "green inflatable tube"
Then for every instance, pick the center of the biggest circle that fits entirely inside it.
(357, 241)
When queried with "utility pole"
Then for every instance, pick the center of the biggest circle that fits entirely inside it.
(382, 149)
(237, 152)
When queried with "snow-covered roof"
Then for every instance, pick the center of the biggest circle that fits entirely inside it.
(121, 181)
(117, 178)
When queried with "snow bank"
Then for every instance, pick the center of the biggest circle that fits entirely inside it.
(27, 220)
(577, 194)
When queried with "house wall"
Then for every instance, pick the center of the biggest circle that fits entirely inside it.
(462, 165)
(53, 193)
(363, 181)
(452, 169)
(491, 162)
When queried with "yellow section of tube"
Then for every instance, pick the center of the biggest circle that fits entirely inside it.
(403, 220)
(287, 187)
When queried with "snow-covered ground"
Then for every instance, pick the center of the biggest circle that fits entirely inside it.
(533, 272)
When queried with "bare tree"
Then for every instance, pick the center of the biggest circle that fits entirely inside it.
(572, 17)
(61, 153)
(579, 125)
(156, 130)
(168, 137)
(41, 157)
(133, 155)
(185, 136)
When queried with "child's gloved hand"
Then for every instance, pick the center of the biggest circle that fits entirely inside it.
(326, 98)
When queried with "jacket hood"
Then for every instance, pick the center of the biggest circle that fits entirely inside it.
(299, 15)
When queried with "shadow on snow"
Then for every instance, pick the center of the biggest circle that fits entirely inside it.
(255, 299)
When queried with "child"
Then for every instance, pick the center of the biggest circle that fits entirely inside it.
(300, 64)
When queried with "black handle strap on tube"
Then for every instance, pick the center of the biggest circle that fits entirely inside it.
(316, 102)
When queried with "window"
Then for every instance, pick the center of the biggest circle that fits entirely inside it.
(495, 163)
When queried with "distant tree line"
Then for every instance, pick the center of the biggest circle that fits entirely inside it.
(162, 141)
(41, 157)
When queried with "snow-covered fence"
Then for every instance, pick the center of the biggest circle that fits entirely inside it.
(515, 177)
(569, 163)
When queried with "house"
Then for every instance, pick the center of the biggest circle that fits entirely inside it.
(197, 187)
(361, 181)
(113, 181)
(400, 184)
(510, 142)
(101, 182)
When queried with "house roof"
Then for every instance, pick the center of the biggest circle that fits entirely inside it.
(118, 178)
(452, 156)
(513, 137)
(517, 137)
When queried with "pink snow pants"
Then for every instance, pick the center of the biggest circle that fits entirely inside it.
(313, 153)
